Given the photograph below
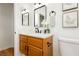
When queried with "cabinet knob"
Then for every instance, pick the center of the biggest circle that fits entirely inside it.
(49, 44)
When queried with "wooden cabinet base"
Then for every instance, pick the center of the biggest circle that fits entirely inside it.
(32, 46)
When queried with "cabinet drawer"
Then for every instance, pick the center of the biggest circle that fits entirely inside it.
(35, 41)
(34, 51)
(23, 38)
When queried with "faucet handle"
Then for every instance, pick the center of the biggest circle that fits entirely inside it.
(36, 30)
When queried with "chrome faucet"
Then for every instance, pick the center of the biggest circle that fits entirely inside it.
(36, 30)
(47, 31)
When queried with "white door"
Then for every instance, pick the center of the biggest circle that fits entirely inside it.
(17, 18)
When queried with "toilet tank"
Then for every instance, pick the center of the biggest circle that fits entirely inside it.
(68, 47)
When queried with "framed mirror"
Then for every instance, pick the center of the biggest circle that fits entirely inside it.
(25, 19)
(39, 16)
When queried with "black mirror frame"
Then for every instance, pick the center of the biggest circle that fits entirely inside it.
(39, 8)
(28, 18)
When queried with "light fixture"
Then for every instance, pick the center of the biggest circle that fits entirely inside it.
(52, 13)
(36, 5)
(24, 11)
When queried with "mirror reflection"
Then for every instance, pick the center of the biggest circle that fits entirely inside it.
(25, 19)
(39, 16)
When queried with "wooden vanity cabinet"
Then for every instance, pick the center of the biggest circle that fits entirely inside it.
(23, 44)
(33, 46)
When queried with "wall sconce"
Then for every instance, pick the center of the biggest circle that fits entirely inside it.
(25, 17)
(24, 11)
(52, 15)
(36, 5)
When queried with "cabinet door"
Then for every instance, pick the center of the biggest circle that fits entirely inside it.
(47, 47)
(34, 51)
(23, 47)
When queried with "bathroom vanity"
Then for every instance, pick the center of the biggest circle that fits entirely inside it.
(31, 45)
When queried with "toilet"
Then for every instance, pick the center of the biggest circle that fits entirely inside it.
(68, 47)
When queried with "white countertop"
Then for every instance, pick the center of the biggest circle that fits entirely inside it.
(39, 35)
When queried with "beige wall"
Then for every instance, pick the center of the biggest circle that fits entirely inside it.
(6, 25)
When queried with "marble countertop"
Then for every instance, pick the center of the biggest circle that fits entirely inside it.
(39, 35)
